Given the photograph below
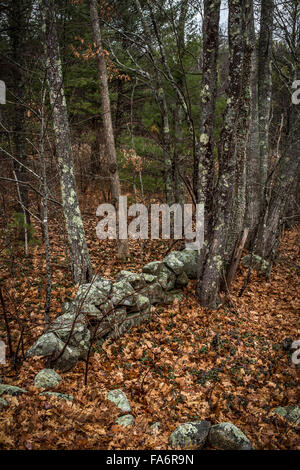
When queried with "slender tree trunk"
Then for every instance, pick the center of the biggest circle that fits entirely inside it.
(162, 102)
(161, 98)
(253, 150)
(80, 261)
(179, 158)
(45, 214)
(204, 157)
(17, 27)
(264, 87)
(123, 249)
(286, 174)
(231, 153)
(239, 188)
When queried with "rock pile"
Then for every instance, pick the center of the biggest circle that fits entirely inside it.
(105, 309)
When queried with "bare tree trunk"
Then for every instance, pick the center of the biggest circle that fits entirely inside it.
(287, 172)
(80, 260)
(204, 157)
(264, 87)
(179, 158)
(123, 250)
(239, 188)
(45, 213)
(161, 98)
(230, 157)
(162, 103)
(253, 193)
(17, 26)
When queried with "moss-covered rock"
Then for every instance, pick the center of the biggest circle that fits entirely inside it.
(289, 413)
(119, 399)
(125, 421)
(173, 262)
(190, 435)
(11, 390)
(226, 436)
(47, 378)
(189, 258)
(137, 281)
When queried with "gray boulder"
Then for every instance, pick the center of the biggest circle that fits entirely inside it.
(190, 435)
(122, 294)
(173, 295)
(49, 345)
(289, 413)
(131, 321)
(142, 303)
(47, 378)
(75, 324)
(226, 436)
(111, 323)
(11, 390)
(181, 281)
(154, 291)
(93, 298)
(189, 258)
(149, 278)
(125, 421)
(70, 328)
(173, 262)
(119, 399)
(164, 276)
(137, 281)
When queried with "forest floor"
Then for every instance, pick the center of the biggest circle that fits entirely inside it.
(186, 364)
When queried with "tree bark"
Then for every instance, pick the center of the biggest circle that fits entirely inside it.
(80, 260)
(264, 87)
(253, 187)
(17, 29)
(230, 157)
(204, 157)
(123, 249)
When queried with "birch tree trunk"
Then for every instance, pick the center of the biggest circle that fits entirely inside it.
(123, 250)
(230, 157)
(79, 255)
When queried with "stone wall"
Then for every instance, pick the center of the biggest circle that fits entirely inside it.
(105, 309)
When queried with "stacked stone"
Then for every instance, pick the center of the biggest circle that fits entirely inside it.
(105, 309)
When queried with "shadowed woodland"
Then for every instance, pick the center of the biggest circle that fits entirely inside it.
(165, 102)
